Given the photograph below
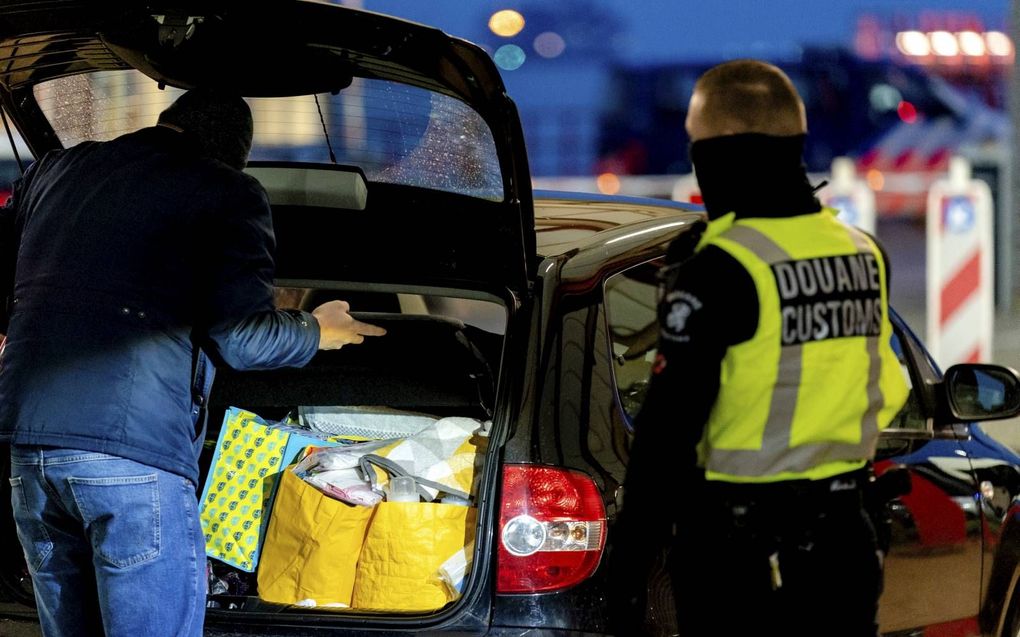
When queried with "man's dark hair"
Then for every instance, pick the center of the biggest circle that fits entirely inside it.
(220, 123)
(751, 96)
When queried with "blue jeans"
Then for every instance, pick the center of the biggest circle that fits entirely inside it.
(114, 546)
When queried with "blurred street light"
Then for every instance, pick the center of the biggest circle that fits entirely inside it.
(509, 57)
(999, 44)
(944, 43)
(971, 43)
(549, 44)
(608, 183)
(948, 44)
(506, 23)
(913, 43)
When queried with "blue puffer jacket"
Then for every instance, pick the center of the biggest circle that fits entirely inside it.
(116, 258)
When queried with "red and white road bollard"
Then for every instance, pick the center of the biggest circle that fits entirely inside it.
(959, 267)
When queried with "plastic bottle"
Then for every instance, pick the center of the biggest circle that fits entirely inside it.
(402, 489)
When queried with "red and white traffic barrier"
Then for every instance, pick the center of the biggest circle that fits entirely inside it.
(959, 267)
(851, 196)
(685, 189)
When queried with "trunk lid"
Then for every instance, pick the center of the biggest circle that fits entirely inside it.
(423, 116)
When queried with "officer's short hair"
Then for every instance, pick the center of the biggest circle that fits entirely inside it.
(221, 123)
(751, 96)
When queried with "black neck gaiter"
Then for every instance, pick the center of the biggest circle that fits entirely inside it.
(754, 175)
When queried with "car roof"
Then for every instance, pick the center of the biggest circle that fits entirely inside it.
(610, 225)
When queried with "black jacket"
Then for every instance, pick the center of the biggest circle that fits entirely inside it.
(115, 258)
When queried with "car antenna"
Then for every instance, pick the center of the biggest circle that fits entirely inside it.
(10, 136)
(325, 132)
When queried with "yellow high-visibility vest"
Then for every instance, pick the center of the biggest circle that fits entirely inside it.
(806, 396)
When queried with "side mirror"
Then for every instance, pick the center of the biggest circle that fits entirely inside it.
(982, 392)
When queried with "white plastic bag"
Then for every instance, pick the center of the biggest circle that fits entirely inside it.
(334, 471)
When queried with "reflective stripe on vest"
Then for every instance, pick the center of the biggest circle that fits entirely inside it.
(776, 455)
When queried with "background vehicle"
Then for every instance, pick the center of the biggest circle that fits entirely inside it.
(551, 299)
(898, 122)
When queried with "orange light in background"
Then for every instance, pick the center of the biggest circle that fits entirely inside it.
(913, 43)
(875, 179)
(608, 183)
(907, 112)
(506, 23)
(999, 44)
(944, 43)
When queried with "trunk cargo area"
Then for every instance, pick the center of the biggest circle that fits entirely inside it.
(301, 502)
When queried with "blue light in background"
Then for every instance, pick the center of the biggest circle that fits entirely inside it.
(509, 57)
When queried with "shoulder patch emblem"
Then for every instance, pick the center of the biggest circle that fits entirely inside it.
(677, 309)
(676, 321)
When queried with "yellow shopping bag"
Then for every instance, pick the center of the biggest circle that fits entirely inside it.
(449, 452)
(312, 546)
(407, 545)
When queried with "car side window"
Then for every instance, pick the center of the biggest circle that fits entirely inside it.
(631, 299)
(911, 416)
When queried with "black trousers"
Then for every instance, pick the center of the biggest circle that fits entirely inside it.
(778, 561)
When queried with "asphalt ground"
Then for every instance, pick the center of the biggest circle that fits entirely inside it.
(9, 628)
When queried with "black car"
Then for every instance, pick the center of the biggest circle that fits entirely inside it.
(394, 162)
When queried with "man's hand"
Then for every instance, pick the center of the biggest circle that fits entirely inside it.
(338, 328)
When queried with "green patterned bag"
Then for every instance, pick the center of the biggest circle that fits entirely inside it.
(242, 481)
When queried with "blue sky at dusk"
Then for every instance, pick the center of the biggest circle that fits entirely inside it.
(665, 30)
(572, 103)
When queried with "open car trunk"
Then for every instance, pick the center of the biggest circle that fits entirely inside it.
(428, 389)
(288, 535)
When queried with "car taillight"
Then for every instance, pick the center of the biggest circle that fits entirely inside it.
(552, 529)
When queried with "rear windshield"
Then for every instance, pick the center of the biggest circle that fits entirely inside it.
(396, 133)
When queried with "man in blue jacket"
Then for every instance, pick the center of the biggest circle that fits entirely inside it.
(129, 267)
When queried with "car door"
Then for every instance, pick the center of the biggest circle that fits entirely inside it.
(631, 300)
(934, 556)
